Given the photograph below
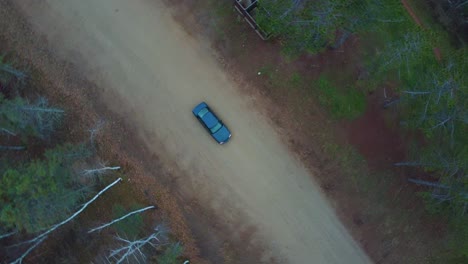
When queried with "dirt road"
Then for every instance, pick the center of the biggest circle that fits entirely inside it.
(135, 50)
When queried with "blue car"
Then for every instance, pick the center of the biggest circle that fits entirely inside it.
(212, 123)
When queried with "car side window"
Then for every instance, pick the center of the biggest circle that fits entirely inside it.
(216, 128)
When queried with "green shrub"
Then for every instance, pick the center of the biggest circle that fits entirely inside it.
(40, 193)
(37, 119)
(348, 104)
(171, 254)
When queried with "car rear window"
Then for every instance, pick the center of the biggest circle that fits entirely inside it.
(216, 128)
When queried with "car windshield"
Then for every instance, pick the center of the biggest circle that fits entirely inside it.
(203, 112)
(216, 128)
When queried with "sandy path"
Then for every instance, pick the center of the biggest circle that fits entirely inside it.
(135, 49)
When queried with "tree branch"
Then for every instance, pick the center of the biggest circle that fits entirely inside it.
(413, 163)
(99, 170)
(6, 131)
(12, 147)
(8, 234)
(93, 131)
(427, 183)
(37, 243)
(42, 109)
(416, 93)
(18, 74)
(442, 123)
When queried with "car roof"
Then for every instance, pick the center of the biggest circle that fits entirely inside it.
(210, 119)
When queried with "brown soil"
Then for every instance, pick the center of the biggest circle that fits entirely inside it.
(375, 135)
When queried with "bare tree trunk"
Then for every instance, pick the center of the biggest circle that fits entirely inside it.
(390, 102)
(414, 164)
(12, 147)
(42, 109)
(31, 248)
(18, 74)
(8, 234)
(120, 219)
(93, 131)
(9, 132)
(102, 170)
(427, 183)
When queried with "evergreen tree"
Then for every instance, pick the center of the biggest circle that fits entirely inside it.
(41, 192)
(17, 116)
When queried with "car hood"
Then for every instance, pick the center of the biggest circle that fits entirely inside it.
(222, 135)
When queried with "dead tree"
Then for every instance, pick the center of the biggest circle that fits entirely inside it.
(12, 71)
(451, 172)
(402, 53)
(441, 101)
(9, 234)
(8, 132)
(38, 119)
(99, 171)
(36, 241)
(134, 249)
(120, 219)
(12, 147)
(94, 131)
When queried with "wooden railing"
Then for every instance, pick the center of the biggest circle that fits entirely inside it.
(246, 13)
